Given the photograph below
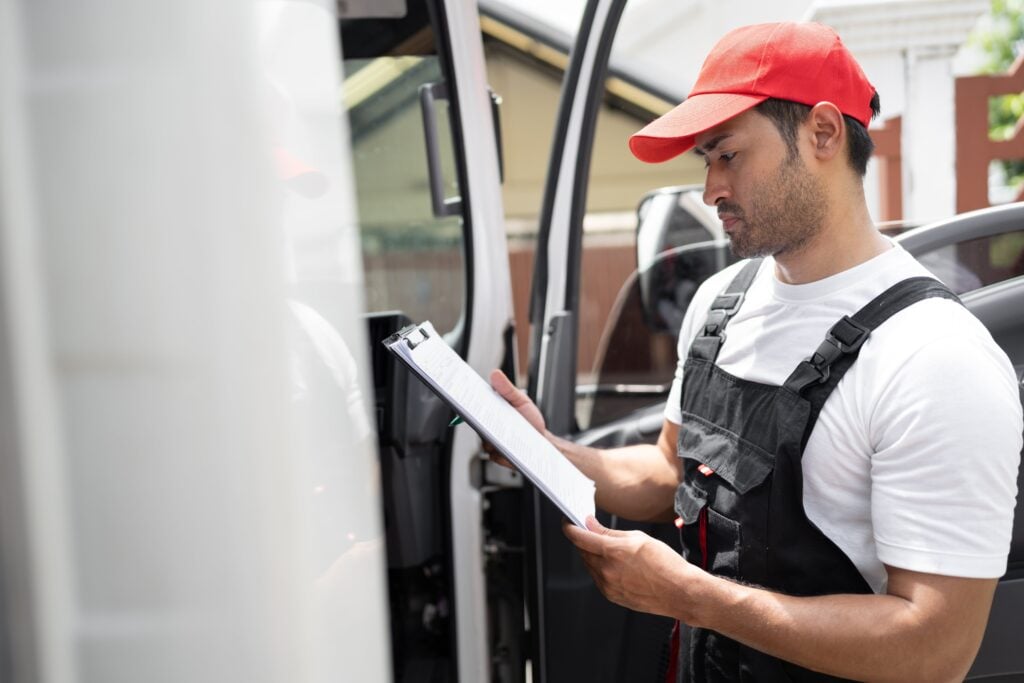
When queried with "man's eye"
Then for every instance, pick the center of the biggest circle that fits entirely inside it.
(725, 157)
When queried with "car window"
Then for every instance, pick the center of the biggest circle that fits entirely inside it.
(636, 354)
(413, 260)
(975, 263)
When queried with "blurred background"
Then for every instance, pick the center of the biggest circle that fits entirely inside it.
(946, 71)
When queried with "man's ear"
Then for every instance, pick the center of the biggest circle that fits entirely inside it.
(827, 130)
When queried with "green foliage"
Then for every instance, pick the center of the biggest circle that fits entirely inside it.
(1001, 39)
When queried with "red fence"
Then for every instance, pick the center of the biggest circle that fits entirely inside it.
(974, 149)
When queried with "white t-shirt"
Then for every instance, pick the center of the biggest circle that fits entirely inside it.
(913, 460)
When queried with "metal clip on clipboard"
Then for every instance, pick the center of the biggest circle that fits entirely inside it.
(405, 334)
(414, 343)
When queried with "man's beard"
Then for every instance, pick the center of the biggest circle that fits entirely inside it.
(786, 211)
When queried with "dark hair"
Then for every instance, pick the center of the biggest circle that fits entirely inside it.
(787, 116)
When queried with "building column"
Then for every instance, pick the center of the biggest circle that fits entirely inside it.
(906, 48)
(929, 138)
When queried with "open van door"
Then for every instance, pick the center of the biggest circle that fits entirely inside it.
(426, 164)
(159, 515)
(575, 634)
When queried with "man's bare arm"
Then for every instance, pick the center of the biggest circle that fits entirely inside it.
(926, 628)
(634, 482)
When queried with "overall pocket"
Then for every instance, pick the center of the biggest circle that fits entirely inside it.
(721, 491)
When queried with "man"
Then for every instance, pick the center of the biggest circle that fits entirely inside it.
(842, 464)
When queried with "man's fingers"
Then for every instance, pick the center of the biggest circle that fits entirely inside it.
(598, 528)
(494, 455)
(503, 385)
(517, 399)
(583, 539)
(500, 382)
(508, 391)
(497, 457)
(592, 562)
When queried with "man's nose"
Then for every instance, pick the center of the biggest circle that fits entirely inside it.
(715, 189)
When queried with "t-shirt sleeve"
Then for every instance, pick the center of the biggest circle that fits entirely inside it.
(673, 411)
(946, 432)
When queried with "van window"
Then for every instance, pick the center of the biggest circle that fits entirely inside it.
(620, 369)
(413, 260)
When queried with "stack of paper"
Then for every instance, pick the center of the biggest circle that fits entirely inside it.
(426, 353)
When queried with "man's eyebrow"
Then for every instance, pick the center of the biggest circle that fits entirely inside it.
(711, 144)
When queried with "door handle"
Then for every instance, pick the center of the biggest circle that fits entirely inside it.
(496, 116)
(430, 94)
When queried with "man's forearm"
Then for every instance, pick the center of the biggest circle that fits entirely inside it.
(862, 637)
(634, 482)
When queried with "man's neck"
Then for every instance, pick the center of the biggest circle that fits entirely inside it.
(843, 242)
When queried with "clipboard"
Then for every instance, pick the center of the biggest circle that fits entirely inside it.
(425, 352)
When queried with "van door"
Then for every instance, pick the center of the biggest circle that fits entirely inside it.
(575, 634)
(433, 247)
(156, 519)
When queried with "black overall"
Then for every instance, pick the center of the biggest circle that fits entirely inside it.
(741, 496)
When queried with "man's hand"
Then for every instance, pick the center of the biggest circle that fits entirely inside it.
(632, 569)
(927, 628)
(518, 400)
(522, 403)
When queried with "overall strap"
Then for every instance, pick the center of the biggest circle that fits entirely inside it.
(816, 377)
(707, 344)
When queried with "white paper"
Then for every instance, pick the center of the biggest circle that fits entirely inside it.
(479, 405)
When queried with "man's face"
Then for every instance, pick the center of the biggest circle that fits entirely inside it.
(770, 203)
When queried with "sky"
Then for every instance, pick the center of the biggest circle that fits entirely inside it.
(663, 42)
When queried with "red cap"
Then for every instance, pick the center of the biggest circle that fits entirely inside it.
(800, 62)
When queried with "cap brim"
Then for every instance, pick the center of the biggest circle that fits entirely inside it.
(673, 133)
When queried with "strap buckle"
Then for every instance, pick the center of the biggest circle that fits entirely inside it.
(722, 309)
(728, 303)
(846, 336)
(715, 322)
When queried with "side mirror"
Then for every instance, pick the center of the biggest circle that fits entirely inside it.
(669, 220)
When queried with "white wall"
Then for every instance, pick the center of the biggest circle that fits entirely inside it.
(907, 49)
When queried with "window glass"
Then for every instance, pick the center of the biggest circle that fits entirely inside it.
(413, 260)
(617, 185)
(636, 357)
(972, 264)
(629, 362)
